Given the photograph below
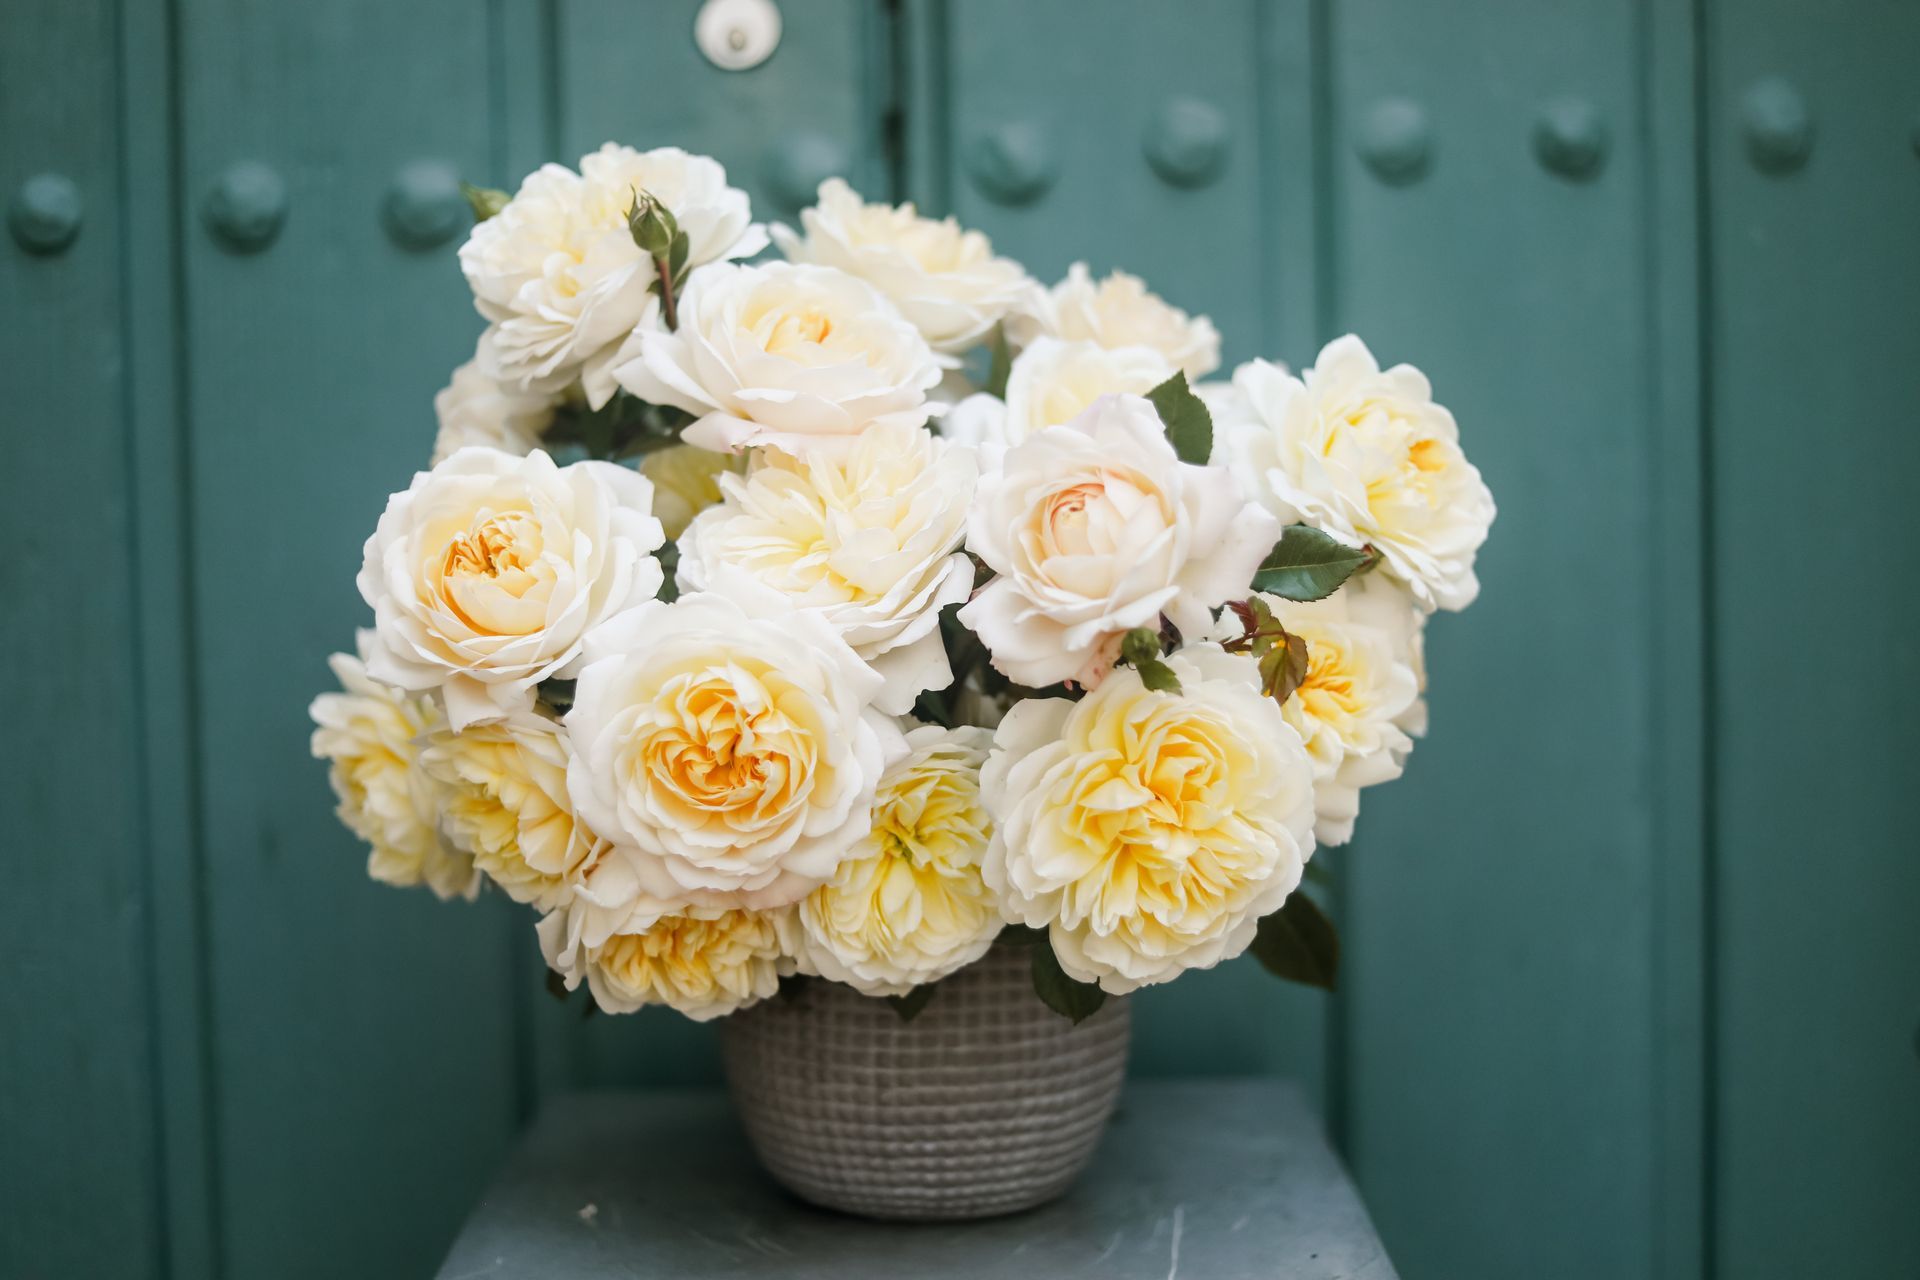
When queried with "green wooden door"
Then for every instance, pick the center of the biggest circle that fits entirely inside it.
(1634, 971)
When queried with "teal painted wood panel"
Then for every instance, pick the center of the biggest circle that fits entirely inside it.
(1074, 93)
(1501, 909)
(1815, 372)
(77, 1091)
(364, 1066)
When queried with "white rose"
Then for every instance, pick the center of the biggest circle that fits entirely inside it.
(869, 541)
(726, 742)
(686, 481)
(1120, 311)
(487, 571)
(371, 736)
(557, 270)
(907, 905)
(475, 409)
(1095, 528)
(796, 357)
(1367, 456)
(1149, 832)
(945, 281)
(1354, 701)
(503, 800)
(704, 962)
(1052, 382)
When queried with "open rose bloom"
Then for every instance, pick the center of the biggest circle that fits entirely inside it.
(840, 618)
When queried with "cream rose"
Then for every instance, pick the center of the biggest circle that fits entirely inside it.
(908, 906)
(1351, 708)
(727, 740)
(870, 541)
(503, 800)
(1097, 527)
(1149, 832)
(475, 409)
(686, 481)
(1051, 383)
(704, 962)
(792, 356)
(1367, 456)
(371, 736)
(945, 281)
(1120, 311)
(486, 573)
(558, 273)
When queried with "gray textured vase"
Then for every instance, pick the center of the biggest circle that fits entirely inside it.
(986, 1103)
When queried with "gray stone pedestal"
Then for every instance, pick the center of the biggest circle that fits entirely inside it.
(1204, 1179)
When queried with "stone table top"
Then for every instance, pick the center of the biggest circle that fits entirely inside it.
(1204, 1179)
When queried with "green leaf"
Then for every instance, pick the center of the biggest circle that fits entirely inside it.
(1021, 935)
(1158, 676)
(1307, 564)
(1299, 943)
(1001, 365)
(677, 256)
(484, 201)
(1189, 425)
(1283, 666)
(909, 1005)
(1064, 995)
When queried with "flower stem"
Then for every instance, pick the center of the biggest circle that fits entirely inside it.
(667, 308)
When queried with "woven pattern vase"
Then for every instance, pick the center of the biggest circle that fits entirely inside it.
(986, 1103)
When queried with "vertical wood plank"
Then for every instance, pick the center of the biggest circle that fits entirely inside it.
(1089, 85)
(78, 1153)
(1504, 1067)
(1678, 628)
(364, 1058)
(1815, 347)
(151, 256)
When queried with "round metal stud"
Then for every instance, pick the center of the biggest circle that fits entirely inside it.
(1778, 125)
(799, 163)
(1570, 138)
(44, 214)
(737, 34)
(1396, 142)
(1011, 164)
(424, 206)
(1186, 142)
(246, 207)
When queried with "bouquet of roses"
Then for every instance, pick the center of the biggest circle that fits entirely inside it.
(839, 615)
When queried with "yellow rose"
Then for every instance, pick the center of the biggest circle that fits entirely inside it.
(869, 541)
(1366, 455)
(1149, 832)
(504, 801)
(908, 905)
(371, 734)
(726, 743)
(704, 962)
(1360, 697)
(485, 574)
